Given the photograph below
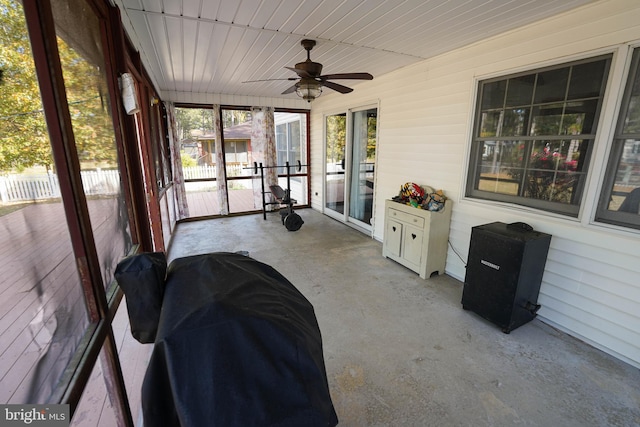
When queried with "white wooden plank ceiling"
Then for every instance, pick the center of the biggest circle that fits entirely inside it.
(212, 46)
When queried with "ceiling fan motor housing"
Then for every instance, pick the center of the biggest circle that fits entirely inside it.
(314, 69)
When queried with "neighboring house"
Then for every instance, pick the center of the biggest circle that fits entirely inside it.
(237, 146)
(191, 148)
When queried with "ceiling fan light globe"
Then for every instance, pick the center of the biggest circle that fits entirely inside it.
(308, 89)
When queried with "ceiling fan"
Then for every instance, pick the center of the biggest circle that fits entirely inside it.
(310, 83)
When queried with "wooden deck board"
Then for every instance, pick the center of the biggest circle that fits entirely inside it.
(40, 278)
(134, 358)
(50, 337)
(94, 408)
(40, 275)
(203, 203)
(32, 247)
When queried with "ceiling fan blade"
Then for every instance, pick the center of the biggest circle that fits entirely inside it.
(270, 80)
(351, 76)
(337, 87)
(290, 90)
(298, 71)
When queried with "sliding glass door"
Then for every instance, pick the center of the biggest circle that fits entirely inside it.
(336, 137)
(350, 144)
(363, 155)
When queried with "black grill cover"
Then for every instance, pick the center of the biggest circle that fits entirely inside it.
(141, 278)
(237, 345)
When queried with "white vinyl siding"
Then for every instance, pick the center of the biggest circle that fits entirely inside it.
(590, 287)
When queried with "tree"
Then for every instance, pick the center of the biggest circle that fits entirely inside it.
(232, 118)
(24, 141)
(190, 119)
(336, 137)
(372, 124)
(201, 119)
(89, 107)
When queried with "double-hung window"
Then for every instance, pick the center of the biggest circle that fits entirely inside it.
(620, 197)
(534, 133)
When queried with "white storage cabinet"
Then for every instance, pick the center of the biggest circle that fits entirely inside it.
(416, 238)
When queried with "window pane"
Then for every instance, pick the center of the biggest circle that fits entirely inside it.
(295, 141)
(159, 144)
(551, 173)
(551, 86)
(237, 135)
(632, 117)
(198, 158)
(493, 95)
(490, 123)
(520, 90)
(632, 120)
(281, 137)
(502, 167)
(515, 122)
(625, 196)
(336, 137)
(547, 119)
(579, 117)
(42, 311)
(586, 80)
(79, 43)
(550, 186)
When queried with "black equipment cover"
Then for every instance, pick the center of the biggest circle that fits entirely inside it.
(237, 345)
(141, 278)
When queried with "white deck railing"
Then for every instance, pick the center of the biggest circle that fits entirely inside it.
(22, 187)
(30, 187)
(209, 172)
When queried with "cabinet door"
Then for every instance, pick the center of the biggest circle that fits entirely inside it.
(412, 244)
(393, 237)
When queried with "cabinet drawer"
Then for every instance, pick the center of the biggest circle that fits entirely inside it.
(414, 220)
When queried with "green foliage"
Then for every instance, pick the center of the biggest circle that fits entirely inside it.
(372, 123)
(336, 137)
(88, 99)
(24, 141)
(234, 117)
(549, 175)
(187, 160)
(191, 121)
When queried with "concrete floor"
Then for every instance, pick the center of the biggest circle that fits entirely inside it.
(400, 351)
